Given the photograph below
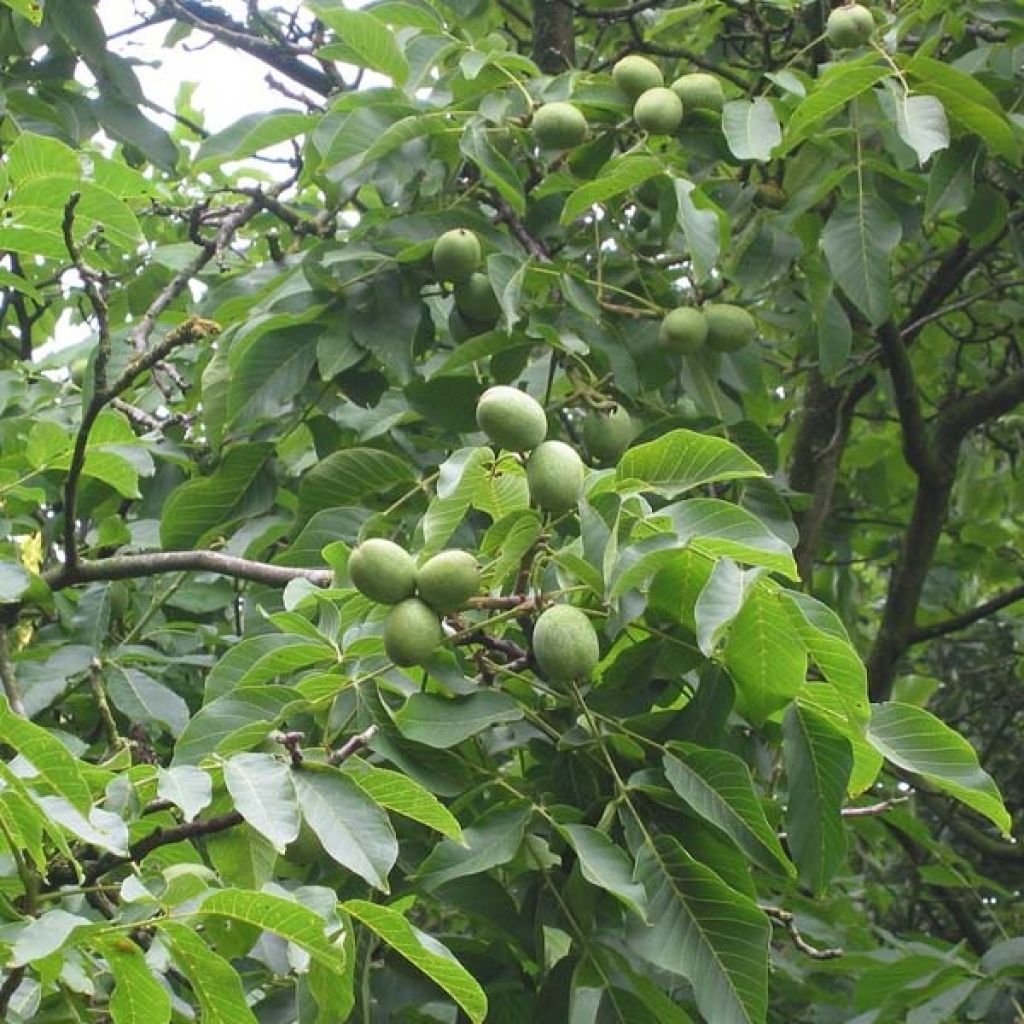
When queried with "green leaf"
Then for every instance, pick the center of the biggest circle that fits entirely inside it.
(405, 796)
(33, 156)
(259, 659)
(818, 765)
(138, 998)
(606, 865)
(720, 601)
(45, 935)
(141, 698)
(216, 984)
(187, 787)
(858, 241)
(200, 506)
(833, 91)
(718, 786)
(211, 728)
(349, 824)
(124, 122)
(922, 125)
(830, 647)
(617, 176)
(916, 741)
(250, 135)
(348, 477)
(700, 227)
(443, 722)
(261, 788)
(751, 128)
(285, 917)
(764, 655)
(14, 581)
(681, 460)
(967, 102)
(705, 931)
(56, 765)
(424, 953)
(365, 42)
(720, 528)
(491, 840)
(493, 164)
(30, 9)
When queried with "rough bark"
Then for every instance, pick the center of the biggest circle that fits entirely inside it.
(554, 36)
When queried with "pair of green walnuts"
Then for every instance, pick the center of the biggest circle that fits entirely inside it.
(458, 257)
(719, 326)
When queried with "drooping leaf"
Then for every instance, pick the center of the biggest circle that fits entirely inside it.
(718, 786)
(261, 788)
(606, 865)
(705, 931)
(818, 765)
(858, 241)
(424, 953)
(350, 825)
(138, 998)
(916, 741)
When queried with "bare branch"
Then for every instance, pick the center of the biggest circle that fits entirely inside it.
(352, 744)
(956, 421)
(871, 810)
(120, 567)
(786, 919)
(917, 448)
(225, 29)
(952, 625)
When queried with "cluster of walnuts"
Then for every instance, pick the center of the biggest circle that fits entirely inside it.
(564, 644)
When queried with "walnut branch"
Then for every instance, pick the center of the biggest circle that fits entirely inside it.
(120, 567)
(952, 625)
(917, 448)
(283, 59)
(787, 920)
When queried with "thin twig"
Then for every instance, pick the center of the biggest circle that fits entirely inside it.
(873, 809)
(352, 744)
(786, 919)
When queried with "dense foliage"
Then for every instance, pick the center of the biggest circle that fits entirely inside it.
(700, 726)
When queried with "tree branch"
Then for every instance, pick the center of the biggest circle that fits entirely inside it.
(226, 30)
(917, 449)
(120, 567)
(956, 421)
(952, 625)
(787, 920)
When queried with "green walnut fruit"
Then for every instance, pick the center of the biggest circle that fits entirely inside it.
(849, 26)
(565, 644)
(607, 433)
(382, 571)
(448, 580)
(635, 75)
(456, 255)
(559, 126)
(412, 633)
(699, 91)
(659, 111)
(475, 299)
(554, 475)
(729, 327)
(684, 330)
(511, 418)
